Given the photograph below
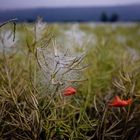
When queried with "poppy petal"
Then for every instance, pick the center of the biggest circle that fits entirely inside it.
(69, 91)
(117, 102)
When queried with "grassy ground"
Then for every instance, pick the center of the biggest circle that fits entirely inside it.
(99, 60)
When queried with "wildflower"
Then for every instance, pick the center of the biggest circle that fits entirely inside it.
(69, 91)
(117, 102)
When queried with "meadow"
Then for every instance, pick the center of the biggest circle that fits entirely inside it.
(39, 61)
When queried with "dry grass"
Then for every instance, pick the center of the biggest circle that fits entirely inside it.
(32, 80)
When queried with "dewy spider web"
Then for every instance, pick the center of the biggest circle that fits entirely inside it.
(60, 67)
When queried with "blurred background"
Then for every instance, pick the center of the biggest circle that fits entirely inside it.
(71, 10)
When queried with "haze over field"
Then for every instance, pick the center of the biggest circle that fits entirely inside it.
(70, 10)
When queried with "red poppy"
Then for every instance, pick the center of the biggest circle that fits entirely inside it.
(117, 102)
(69, 91)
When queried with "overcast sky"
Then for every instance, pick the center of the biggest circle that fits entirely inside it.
(10, 4)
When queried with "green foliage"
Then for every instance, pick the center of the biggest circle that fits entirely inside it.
(30, 110)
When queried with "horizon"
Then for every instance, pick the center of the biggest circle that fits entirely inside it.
(18, 4)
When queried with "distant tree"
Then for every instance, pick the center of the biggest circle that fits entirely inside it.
(114, 17)
(29, 20)
(104, 17)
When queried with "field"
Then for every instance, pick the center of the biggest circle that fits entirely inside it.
(39, 62)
